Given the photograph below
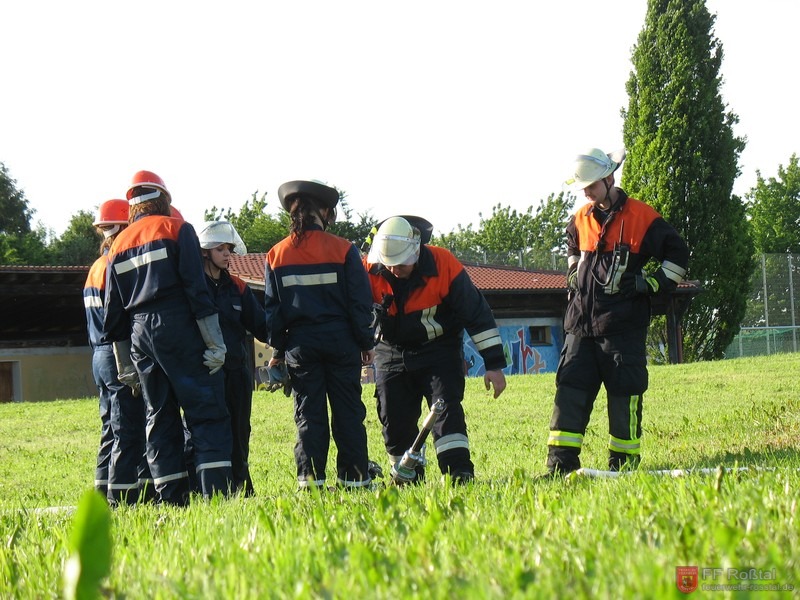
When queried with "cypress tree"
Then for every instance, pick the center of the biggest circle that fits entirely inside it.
(683, 159)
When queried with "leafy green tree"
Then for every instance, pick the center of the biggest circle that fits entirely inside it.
(15, 214)
(24, 249)
(345, 227)
(549, 244)
(505, 234)
(355, 232)
(80, 243)
(532, 239)
(774, 210)
(258, 230)
(19, 244)
(462, 242)
(683, 159)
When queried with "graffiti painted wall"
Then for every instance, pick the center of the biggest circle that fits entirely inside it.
(531, 347)
(524, 354)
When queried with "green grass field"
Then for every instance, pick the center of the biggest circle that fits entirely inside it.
(506, 536)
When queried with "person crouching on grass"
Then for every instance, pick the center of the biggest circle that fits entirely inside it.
(429, 302)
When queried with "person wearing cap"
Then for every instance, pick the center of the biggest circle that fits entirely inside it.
(428, 302)
(319, 319)
(121, 464)
(240, 312)
(610, 238)
(164, 325)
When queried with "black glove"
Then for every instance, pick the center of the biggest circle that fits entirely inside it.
(279, 378)
(632, 284)
(374, 470)
(572, 278)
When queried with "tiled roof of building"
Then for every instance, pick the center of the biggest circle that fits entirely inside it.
(485, 277)
(249, 267)
(498, 278)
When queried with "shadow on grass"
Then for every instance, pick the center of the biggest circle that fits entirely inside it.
(762, 459)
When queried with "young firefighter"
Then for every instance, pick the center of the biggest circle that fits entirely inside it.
(121, 466)
(319, 316)
(239, 312)
(430, 301)
(609, 241)
(160, 314)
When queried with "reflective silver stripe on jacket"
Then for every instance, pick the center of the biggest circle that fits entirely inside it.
(93, 302)
(141, 260)
(488, 338)
(672, 271)
(433, 328)
(311, 279)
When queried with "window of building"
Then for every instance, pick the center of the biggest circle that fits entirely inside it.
(539, 335)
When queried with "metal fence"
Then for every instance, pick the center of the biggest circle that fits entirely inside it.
(770, 325)
(526, 259)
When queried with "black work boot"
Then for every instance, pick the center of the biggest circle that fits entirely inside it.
(563, 460)
(619, 461)
(461, 477)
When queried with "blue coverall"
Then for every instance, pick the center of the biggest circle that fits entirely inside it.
(156, 292)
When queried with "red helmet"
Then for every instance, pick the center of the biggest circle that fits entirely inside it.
(112, 212)
(149, 181)
(175, 213)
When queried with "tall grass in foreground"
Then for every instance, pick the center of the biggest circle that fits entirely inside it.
(505, 536)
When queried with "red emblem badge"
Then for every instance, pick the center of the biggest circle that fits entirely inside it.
(686, 579)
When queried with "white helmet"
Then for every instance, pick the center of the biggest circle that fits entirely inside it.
(593, 165)
(216, 233)
(395, 243)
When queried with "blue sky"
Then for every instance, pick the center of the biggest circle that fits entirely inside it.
(443, 109)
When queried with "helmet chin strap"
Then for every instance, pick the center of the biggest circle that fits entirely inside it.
(607, 197)
(107, 233)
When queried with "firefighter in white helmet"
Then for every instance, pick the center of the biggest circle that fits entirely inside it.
(427, 301)
(610, 238)
(165, 328)
(240, 312)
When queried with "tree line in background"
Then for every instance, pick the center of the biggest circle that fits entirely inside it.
(683, 159)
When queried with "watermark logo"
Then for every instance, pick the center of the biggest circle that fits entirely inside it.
(686, 579)
(719, 579)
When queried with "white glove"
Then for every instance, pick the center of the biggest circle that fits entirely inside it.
(126, 372)
(214, 357)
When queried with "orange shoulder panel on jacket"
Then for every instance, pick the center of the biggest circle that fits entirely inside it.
(317, 247)
(145, 230)
(97, 274)
(436, 287)
(629, 226)
(238, 283)
(449, 266)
